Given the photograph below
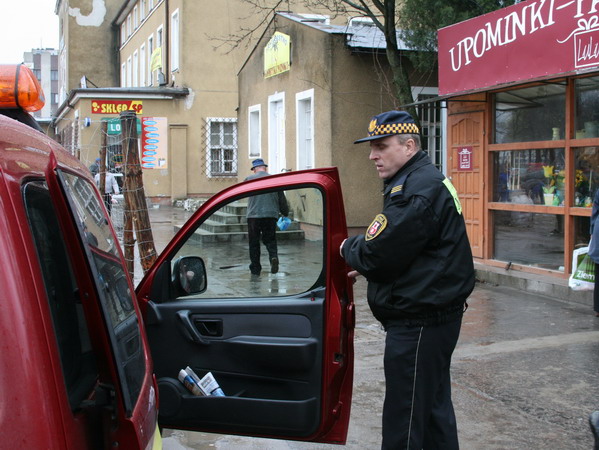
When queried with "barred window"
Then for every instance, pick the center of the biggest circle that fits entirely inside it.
(221, 149)
(431, 123)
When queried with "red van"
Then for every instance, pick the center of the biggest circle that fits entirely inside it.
(88, 361)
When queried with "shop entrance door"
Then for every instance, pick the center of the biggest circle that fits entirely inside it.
(465, 171)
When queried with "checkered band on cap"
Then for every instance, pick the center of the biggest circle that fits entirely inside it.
(393, 128)
(388, 124)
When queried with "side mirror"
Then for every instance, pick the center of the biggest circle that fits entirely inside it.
(189, 275)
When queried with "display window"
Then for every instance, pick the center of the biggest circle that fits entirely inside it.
(530, 177)
(528, 114)
(544, 162)
(527, 238)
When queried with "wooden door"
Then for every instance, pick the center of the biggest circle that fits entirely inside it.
(465, 169)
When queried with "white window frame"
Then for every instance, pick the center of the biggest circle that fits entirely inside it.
(142, 10)
(175, 40)
(151, 49)
(123, 33)
(128, 25)
(221, 172)
(276, 144)
(159, 36)
(255, 131)
(142, 65)
(123, 75)
(304, 129)
(129, 72)
(135, 78)
(135, 17)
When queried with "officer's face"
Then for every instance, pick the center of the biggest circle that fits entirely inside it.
(390, 155)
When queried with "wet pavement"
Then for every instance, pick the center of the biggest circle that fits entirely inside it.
(525, 373)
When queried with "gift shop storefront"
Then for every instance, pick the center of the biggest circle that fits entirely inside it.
(522, 92)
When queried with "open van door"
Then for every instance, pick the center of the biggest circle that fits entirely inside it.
(279, 345)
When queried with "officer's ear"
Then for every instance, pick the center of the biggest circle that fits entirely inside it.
(410, 147)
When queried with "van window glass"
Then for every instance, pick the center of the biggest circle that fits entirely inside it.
(70, 327)
(238, 242)
(112, 284)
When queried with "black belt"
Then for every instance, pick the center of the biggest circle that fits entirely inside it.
(430, 319)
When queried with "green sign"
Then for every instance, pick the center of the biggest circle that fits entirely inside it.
(114, 126)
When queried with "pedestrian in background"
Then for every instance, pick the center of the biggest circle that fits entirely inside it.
(418, 263)
(95, 167)
(594, 250)
(111, 187)
(262, 213)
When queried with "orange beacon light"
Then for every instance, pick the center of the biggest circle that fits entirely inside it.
(19, 88)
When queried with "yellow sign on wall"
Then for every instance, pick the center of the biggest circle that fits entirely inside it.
(156, 59)
(277, 55)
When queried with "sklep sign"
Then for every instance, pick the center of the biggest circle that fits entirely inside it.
(533, 39)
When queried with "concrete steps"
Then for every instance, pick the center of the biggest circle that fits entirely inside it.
(229, 225)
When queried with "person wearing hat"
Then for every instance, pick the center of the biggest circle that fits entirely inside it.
(95, 167)
(417, 259)
(262, 213)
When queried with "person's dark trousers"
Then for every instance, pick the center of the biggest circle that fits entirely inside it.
(108, 202)
(264, 228)
(418, 411)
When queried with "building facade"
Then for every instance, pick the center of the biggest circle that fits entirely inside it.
(44, 63)
(161, 46)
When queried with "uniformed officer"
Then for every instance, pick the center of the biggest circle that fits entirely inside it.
(417, 259)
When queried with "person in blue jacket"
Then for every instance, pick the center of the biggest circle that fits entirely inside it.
(417, 259)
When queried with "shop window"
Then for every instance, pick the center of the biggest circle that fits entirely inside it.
(587, 108)
(530, 114)
(586, 176)
(535, 240)
(530, 177)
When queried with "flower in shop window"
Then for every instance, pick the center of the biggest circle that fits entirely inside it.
(553, 191)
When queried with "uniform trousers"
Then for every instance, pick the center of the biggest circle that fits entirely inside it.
(264, 228)
(418, 411)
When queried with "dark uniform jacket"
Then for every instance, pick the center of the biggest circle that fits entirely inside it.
(415, 255)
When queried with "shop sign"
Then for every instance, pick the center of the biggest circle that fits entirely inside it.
(465, 159)
(277, 55)
(116, 106)
(154, 145)
(114, 126)
(525, 41)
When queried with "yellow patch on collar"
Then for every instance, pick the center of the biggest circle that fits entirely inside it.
(397, 188)
(376, 227)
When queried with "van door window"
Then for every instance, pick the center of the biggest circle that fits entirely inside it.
(109, 272)
(249, 253)
(72, 336)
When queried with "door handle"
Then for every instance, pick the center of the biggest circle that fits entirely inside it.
(189, 329)
(210, 327)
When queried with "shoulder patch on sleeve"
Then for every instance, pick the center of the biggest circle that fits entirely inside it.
(376, 227)
(454, 194)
